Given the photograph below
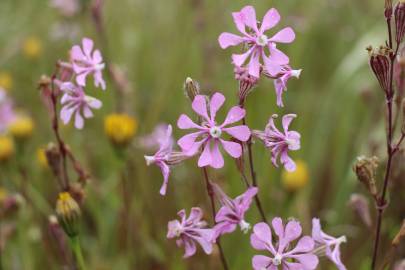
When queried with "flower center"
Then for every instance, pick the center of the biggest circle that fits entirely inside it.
(277, 259)
(262, 40)
(244, 226)
(215, 132)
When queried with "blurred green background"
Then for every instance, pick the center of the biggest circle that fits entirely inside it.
(158, 44)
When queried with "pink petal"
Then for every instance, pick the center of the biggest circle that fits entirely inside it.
(235, 114)
(76, 53)
(185, 122)
(187, 141)
(285, 35)
(190, 247)
(205, 158)
(217, 159)
(79, 121)
(232, 148)
(305, 244)
(165, 172)
(270, 20)
(278, 227)
(260, 262)
(97, 58)
(287, 120)
(277, 56)
(279, 87)
(81, 79)
(199, 105)
(242, 133)
(87, 112)
(66, 114)
(272, 67)
(316, 230)
(87, 46)
(217, 100)
(249, 14)
(288, 163)
(240, 59)
(196, 214)
(98, 80)
(292, 230)
(262, 232)
(254, 64)
(227, 39)
(238, 19)
(308, 261)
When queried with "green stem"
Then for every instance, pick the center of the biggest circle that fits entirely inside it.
(77, 250)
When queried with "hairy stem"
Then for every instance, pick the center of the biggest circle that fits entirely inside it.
(210, 192)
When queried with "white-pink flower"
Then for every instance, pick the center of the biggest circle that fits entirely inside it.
(75, 101)
(86, 62)
(257, 41)
(7, 114)
(211, 133)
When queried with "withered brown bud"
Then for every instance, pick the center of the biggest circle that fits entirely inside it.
(388, 9)
(399, 14)
(400, 235)
(44, 82)
(191, 88)
(54, 159)
(359, 204)
(365, 169)
(380, 64)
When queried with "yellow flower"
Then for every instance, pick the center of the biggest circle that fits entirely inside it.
(293, 181)
(32, 47)
(68, 213)
(22, 127)
(6, 148)
(6, 80)
(41, 158)
(120, 128)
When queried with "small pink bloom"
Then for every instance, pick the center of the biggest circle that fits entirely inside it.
(329, 243)
(155, 139)
(191, 230)
(7, 114)
(283, 253)
(74, 101)
(280, 84)
(279, 142)
(232, 212)
(257, 41)
(211, 133)
(86, 63)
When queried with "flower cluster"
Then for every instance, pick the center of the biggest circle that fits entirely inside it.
(210, 137)
(72, 80)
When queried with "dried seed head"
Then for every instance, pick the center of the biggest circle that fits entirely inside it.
(399, 14)
(359, 204)
(365, 169)
(380, 64)
(191, 88)
(68, 213)
(400, 235)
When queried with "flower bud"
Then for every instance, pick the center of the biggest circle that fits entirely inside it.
(191, 88)
(6, 148)
(380, 64)
(399, 21)
(120, 128)
(365, 169)
(22, 127)
(388, 9)
(68, 213)
(359, 204)
(246, 83)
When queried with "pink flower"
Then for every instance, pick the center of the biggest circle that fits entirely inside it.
(165, 157)
(74, 101)
(191, 230)
(279, 142)
(280, 84)
(232, 212)
(154, 140)
(257, 41)
(330, 244)
(283, 254)
(7, 114)
(85, 63)
(211, 133)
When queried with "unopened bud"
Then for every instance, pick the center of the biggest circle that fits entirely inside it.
(359, 204)
(365, 169)
(68, 213)
(399, 21)
(191, 88)
(380, 64)
(400, 235)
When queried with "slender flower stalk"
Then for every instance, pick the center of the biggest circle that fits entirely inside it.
(211, 195)
(77, 250)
